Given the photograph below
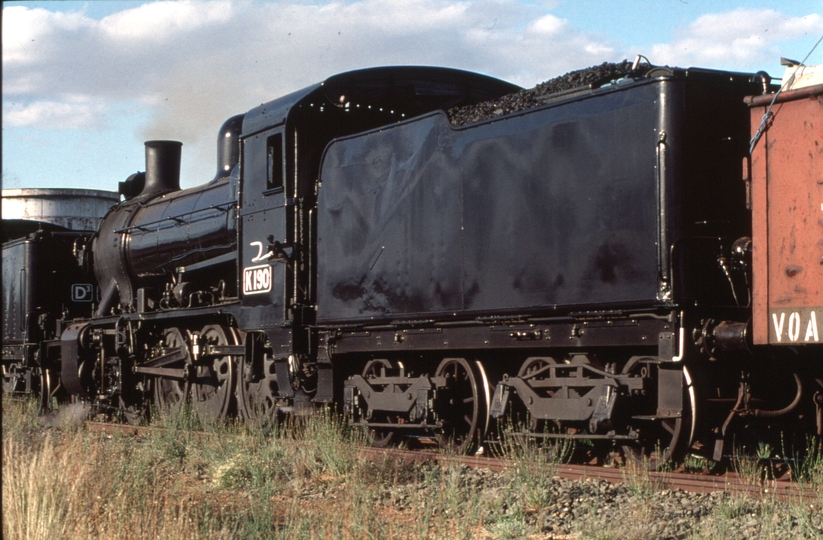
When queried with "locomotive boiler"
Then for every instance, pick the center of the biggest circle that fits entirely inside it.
(581, 268)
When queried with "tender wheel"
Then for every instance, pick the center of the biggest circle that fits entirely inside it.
(536, 369)
(212, 390)
(661, 440)
(171, 394)
(380, 438)
(257, 395)
(465, 418)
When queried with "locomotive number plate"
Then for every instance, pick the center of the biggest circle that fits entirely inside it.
(257, 279)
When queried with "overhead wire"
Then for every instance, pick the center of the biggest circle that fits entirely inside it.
(767, 117)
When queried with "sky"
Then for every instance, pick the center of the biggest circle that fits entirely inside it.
(86, 83)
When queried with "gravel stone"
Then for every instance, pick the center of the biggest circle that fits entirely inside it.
(590, 508)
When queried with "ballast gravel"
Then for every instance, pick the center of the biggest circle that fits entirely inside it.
(525, 504)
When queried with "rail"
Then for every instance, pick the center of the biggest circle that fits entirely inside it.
(728, 482)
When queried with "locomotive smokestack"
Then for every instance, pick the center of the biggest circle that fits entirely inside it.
(162, 166)
(228, 146)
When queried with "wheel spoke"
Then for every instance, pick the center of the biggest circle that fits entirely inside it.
(465, 419)
(380, 438)
(258, 397)
(170, 394)
(212, 395)
(661, 440)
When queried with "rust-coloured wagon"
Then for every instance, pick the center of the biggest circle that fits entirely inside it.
(787, 215)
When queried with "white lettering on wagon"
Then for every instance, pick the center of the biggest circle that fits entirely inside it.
(796, 326)
(257, 279)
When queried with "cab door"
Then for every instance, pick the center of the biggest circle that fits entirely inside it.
(264, 250)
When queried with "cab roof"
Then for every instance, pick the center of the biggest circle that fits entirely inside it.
(414, 90)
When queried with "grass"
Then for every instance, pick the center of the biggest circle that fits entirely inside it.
(807, 466)
(641, 481)
(305, 480)
(753, 468)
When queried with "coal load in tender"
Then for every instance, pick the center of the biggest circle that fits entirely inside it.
(527, 99)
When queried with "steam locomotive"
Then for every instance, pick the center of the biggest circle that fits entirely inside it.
(615, 264)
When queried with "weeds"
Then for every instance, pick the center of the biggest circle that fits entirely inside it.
(807, 466)
(533, 470)
(303, 479)
(753, 469)
(641, 481)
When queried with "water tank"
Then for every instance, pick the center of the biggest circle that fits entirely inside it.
(76, 209)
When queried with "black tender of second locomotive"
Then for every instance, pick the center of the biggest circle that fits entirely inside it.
(43, 285)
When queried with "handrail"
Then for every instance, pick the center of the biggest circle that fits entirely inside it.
(224, 207)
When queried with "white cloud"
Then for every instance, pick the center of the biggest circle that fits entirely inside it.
(28, 34)
(163, 21)
(55, 115)
(549, 24)
(738, 37)
(406, 17)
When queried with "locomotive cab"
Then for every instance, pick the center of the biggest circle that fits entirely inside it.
(282, 145)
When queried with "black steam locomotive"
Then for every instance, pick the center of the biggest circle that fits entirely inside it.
(581, 269)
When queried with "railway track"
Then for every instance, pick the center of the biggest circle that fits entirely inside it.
(696, 483)
(728, 482)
